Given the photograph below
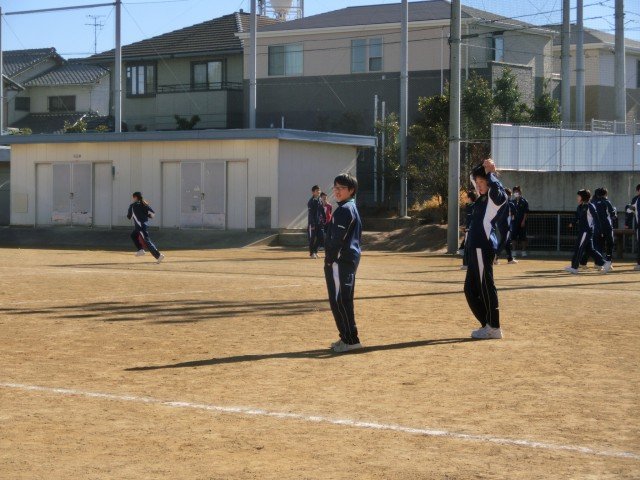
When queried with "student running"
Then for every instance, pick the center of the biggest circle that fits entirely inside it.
(140, 211)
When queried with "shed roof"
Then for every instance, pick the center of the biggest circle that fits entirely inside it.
(202, 135)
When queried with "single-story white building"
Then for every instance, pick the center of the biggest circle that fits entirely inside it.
(224, 179)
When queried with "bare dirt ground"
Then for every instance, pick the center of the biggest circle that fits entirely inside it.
(214, 365)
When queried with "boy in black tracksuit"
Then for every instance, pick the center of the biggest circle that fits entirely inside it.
(635, 204)
(479, 287)
(468, 212)
(315, 221)
(342, 256)
(586, 219)
(140, 211)
(607, 215)
(519, 225)
(505, 218)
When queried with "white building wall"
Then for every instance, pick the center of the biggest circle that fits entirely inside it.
(138, 167)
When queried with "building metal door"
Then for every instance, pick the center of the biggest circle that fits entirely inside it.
(102, 194)
(72, 194)
(202, 194)
(44, 194)
(237, 196)
(170, 195)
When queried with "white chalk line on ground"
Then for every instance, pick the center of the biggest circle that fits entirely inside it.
(345, 422)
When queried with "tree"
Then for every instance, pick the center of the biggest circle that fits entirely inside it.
(79, 127)
(390, 127)
(429, 156)
(506, 97)
(546, 109)
(184, 124)
(479, 112)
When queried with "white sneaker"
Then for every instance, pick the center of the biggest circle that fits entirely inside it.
(334, 344)
(606, 268)
(512, 261)
(464, 267)
(140, 253)
(570, 269)
(524, 253)
(460, 252)
(637, 268)
(479, 331)
(160, 258)
(342, 347)
(487, 333)
(314, 255)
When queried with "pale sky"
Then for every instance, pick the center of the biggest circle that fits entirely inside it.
(68, 33)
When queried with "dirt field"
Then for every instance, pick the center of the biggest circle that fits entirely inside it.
(214, 365)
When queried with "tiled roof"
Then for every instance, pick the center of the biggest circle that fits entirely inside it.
(591, 36)
(212, 36)
(16, 61)
(49, 122)
(386, 13)
(69, 73)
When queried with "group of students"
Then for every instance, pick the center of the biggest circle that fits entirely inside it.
(511, 225)
(595, 221)
(318, 218)
(491, 207)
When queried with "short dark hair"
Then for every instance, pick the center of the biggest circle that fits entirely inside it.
(604, 192)
(637, 187)
(508, 191)
(478, 171)
(584, 194)
(347, 180)
(517, 189)
(314, 188)
(323, 194)
(472, 195)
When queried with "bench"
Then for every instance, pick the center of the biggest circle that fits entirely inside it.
(619, 234)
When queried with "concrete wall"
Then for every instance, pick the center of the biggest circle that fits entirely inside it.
(556, 191)
(138, 167)
(301, 167)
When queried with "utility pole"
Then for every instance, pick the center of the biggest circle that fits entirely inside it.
(404, 105)
(253, 65)
(375, 149)
(565, 35)
(96, 27)
(580, 64)
(118, 71)
(619, 71)
(454, 129)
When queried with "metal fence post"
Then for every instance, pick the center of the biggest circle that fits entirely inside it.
(558, 233)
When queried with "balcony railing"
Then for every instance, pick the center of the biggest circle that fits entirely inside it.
(204, 87)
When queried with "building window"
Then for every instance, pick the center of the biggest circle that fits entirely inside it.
(286, 60)
(366, 55)
(23, 104)
(141, 80)
(206, 75)
(66, 103)
(498, 48)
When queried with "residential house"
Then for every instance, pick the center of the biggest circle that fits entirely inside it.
(599, 74)
(45, 90)
(322, 72)
(196, 70)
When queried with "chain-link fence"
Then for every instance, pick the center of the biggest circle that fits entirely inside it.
(557, 232)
